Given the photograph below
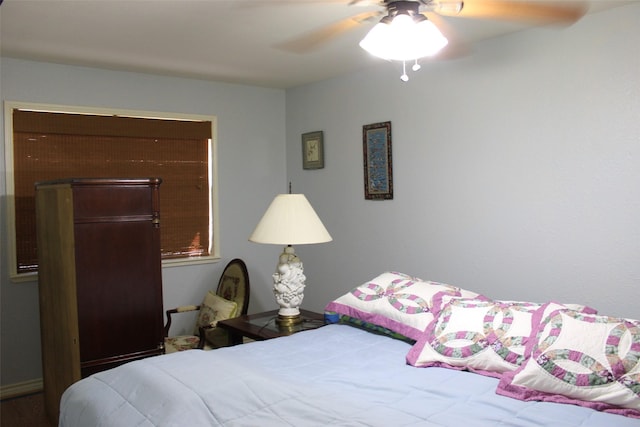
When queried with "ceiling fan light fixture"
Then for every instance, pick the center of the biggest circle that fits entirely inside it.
(405, 36)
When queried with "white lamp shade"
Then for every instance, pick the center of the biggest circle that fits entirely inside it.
(290, 220)
(404, 39)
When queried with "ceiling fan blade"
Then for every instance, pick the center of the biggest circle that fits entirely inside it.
(455, 47)
(314, 39)
(539, 12)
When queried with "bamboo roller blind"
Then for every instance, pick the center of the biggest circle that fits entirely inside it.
(61, 145)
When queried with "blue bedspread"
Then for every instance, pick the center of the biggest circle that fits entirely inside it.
(337, 375)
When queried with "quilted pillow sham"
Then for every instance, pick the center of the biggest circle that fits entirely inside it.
(392, 303)
(483, 336)
(486, 337)
(583, 359)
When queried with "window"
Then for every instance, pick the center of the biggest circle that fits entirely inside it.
(46, 142)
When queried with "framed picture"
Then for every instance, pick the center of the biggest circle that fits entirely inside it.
(312, 150)
(378, 169)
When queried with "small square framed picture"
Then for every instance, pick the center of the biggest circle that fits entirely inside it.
(312, 150)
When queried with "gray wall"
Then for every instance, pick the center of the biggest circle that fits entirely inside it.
(516, 169)
(251, 167)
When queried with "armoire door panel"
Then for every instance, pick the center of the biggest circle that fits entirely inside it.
(119, 308)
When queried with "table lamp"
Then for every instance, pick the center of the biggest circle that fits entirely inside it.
(289, 220)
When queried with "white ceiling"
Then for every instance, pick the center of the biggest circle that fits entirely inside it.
(224, 40)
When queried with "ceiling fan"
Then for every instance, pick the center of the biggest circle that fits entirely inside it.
(535, 12)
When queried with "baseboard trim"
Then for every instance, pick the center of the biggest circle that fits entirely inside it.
(21, 389)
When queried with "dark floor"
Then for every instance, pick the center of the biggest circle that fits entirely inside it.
(26, 411)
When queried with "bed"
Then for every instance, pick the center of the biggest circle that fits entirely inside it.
(371, 367)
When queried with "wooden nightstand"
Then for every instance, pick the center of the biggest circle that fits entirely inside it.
(262, 326)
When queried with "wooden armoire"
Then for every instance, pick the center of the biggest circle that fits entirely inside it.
(99, 277)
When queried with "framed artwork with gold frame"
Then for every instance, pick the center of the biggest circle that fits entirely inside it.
(313, 150)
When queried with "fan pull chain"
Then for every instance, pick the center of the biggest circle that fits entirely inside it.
(404, 76)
